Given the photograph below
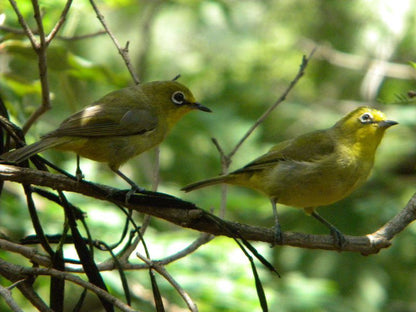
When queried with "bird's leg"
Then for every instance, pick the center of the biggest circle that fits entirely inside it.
(78, 173)
(339, 239)
(278, 239)
(134, 187)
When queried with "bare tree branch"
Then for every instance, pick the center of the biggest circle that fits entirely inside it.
(60, 22)
(25, 25)
(20, 272)
(186, 214)
(41, 51)
(40, 47)
(28, 252)
(124, 52)
(24, 286)
(282, 98)
(162, 271)
(7, 296)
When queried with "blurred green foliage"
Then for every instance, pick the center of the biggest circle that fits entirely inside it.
(237, 57)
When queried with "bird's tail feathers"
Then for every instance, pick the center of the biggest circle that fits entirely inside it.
(23, 153)
(204, 183)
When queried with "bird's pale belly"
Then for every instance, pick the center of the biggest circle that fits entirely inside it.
(112, 150)
(311, 185)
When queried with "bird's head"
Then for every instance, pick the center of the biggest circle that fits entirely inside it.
(364, 125)
(172, 99)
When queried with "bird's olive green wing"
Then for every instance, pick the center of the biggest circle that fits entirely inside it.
(307, 147)
(106, 120)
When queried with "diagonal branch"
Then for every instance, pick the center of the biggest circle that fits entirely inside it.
(60, 22)
(7, 296)
(282, 98)
(124, 52)
(25, 25)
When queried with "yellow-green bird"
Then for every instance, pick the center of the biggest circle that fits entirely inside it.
(119, 126)
(314, 169)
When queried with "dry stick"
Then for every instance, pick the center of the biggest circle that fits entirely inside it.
(30, 253)
(301, 72)
(7, 296)
(124, 52)
(225, 164)
(40, 48)
(43, 70)
(22, 272)
(24, 25)
(35, 256)
(24, 284)
(162, 271)
(201, 240)
(60, 22)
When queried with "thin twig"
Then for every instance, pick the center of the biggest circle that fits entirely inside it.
(201, 240)
(34, 256)
(162, 271)
(301, 72)
(82, 37)
(225, 165)
(124, 52)
(20, 271)
(60, 22)
(25, 25)
(41, 50)
(25, 287)
(7, 296)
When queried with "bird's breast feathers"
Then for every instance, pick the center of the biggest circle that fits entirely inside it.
(314, 183)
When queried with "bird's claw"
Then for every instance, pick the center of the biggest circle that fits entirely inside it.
(278, 237)
(134, 189)
(79, 175)
(339, 238)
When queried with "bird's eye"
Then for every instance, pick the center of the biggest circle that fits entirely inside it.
(366, 118)
(178, 98)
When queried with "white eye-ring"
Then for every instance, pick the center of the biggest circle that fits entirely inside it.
(366, 118)
(178, 98)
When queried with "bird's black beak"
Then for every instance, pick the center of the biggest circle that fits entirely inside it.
(387, 123)
(201, 107)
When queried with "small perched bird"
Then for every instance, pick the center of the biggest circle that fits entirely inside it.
(119, 126)
(314, 169)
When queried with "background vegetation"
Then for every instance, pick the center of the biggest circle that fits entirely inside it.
(237, 57)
